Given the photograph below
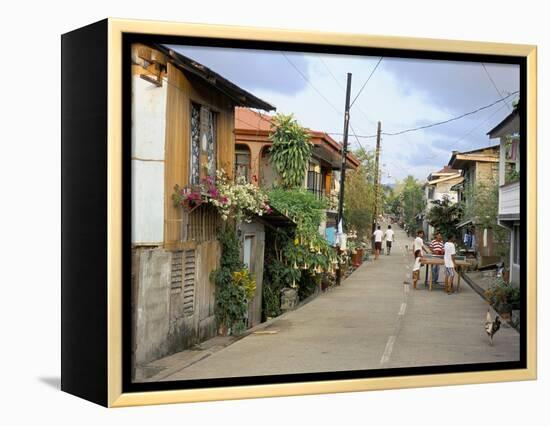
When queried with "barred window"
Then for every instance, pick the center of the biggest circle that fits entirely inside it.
(242, 162)
(203, 143)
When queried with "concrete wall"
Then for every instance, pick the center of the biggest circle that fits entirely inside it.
(161, 325)
(151, 303)
(148, 139)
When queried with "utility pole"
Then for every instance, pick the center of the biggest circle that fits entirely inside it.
(339, 217)
(376, 176)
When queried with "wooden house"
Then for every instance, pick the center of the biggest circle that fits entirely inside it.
(182, 130)
(477, 166)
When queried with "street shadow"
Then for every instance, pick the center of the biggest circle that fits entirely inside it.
(54, 382)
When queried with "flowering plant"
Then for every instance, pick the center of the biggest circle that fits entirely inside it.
(240, 200)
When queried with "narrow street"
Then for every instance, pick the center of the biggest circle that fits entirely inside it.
(374, 320)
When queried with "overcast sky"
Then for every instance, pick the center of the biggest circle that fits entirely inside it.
(402, 94)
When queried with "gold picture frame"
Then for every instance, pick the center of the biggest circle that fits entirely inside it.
(116, 28)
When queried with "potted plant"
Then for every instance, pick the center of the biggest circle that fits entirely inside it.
(503, 297)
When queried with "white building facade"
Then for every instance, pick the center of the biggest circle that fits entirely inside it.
(509, 187)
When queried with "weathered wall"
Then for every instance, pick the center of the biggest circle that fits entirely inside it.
(148, 129)
(151, 303)
(486, 172)
(162, 325)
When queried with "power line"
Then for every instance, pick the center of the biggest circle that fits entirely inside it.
(362, 87)
(437, 123)
(343, 89)
(357, 138)
(311, 84)
(451, 119)
(494, 84)
(481, 123)
(321, 94)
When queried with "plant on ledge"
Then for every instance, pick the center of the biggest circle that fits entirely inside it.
(235, 286)
(238, 200)
(291, 150)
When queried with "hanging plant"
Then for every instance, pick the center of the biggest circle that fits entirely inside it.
(238, 200)
(291, 150)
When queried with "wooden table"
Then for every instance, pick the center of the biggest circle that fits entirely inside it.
(430, 261)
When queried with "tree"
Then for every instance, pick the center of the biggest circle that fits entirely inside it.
(291, 150)
(412, 202)
(482, 205)
(393, 203)
(359, 195)
(445, 215)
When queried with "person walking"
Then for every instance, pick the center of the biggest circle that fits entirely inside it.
(418, 248)
(437, 247)
(449, 257)
(389, 235)
(378, 235)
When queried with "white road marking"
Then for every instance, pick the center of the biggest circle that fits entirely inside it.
(403, 309)
(386, 356)
(387, 352)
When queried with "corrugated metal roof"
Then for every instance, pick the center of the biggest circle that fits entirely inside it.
(239, 96)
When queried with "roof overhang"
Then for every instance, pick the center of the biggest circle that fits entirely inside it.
(239, 96)
(327, 149)
(459, 159)
(275, 219)
(509, 125)
(457, 176)
(465, 223)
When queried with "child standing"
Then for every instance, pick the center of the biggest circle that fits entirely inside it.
(449, 257)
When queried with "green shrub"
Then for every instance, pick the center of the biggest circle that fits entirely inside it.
(234, 285)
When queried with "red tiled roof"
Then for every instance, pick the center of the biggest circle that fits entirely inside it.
(248, 121)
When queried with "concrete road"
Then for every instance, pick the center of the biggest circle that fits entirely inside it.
(372, 321)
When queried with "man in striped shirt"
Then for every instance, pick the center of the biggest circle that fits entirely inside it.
(437, 247)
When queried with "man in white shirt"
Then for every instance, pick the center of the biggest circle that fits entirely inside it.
(389, 239)
(378, 235)
(449, 258)
(418, 247)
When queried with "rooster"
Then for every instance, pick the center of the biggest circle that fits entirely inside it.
(491, 327)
